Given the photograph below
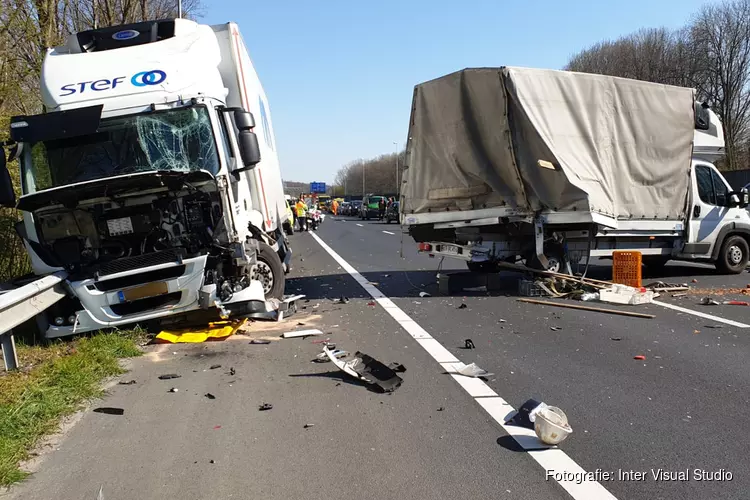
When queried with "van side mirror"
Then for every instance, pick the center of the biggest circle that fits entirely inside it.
(247, 140)
(739, 198)
(7, 195)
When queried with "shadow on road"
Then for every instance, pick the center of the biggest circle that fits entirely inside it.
(337, 376)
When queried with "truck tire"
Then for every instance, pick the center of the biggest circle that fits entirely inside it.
(733, 256)
(269, 271)
(482, 267)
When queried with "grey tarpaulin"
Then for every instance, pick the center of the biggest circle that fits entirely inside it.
(618, 147)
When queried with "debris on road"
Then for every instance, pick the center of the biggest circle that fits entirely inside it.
(424, 294)
(463, 305)
(173, 389)
(219, 330)
(342, 300)
(640, 357)
(372, 303)
(109, 410)
(440, 409)
(211, 462)
(323, 357)
(714, 326)
(555, 328)
(169, 376)
(129, 382)
(587, 308)
(214, 367)
(265, 407)
(232, 371)
(551, 425)
(681, 294)
(260, 341)
(616, 339)
(708, 301)
(301, 333)
(468, 344)
(397, 367)
(209, 395)
(320, 341)
(216, 427)
(474, 371)
(307, 426)
(368, 369)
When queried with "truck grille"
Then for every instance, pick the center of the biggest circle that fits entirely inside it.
(140, 261)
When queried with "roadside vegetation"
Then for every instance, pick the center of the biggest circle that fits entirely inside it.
(53, 381)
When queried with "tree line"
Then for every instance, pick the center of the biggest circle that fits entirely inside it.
(27, 29)
(379, 175)
(711, 54)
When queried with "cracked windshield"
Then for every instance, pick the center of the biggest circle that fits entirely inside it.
(176, 140)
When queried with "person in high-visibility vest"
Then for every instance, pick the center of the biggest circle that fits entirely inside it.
(301, 214)
(335, 206)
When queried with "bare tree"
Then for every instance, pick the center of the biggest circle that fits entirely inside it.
(721, 37)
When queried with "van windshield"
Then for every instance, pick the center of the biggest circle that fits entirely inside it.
(175, 140)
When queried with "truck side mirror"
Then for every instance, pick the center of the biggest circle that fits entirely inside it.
(7, 195)
(247, 140)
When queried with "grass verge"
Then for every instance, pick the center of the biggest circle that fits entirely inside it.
(58, 378)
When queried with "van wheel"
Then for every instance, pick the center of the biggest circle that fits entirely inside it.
(733, 256)
(555, 259)
(269, 271)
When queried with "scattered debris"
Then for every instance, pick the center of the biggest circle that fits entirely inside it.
(440, 409)
(501, 321)
(681, 294)
(397, 367)
(265, 407)
(109, 410)
(587, 308)
(169, 376)
(173, 389)
(316, 306)
(468, 344)
(551, 425)
(216, 427)
(216, 331)
(232, 371)
(696, 332)
(640, 357)
(342, 300)
(301, 333)
(694, 280)
(323, 357)
(616, 339)
(386, 276)
(714, 326)
(708, 301)
(372, 303)
(555, 328)
(463, 306)
(214, 367)
(307, 426)
(211, 462)
(320, 341)
(209, 395)
(474, 371)
(424, 294)
(368, 369)
(129, 382)
(260, 341)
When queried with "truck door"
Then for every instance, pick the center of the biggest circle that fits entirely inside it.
(709, 211)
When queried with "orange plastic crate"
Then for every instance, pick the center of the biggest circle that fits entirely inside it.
(626, 268)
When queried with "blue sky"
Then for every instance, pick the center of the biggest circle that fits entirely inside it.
(339, 75)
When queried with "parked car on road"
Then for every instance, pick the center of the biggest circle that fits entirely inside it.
(356, 208)
(370, 207)
(344, 208)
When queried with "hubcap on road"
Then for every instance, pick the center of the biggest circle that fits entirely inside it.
(264, 274)
(735, 254)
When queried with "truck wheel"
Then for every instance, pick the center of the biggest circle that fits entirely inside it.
(554, 256)
(269, 271)
(482, 267)
(733, 256)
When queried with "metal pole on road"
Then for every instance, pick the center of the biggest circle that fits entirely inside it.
(397, 186)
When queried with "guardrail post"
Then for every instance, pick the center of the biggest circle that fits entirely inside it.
(9, 351)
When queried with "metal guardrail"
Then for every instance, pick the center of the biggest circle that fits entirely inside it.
(22, 304)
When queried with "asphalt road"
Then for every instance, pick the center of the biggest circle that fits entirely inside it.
(681, 409)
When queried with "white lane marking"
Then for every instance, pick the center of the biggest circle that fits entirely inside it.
(701, 314)
(360, 225)
(577, 482)
(388, 232)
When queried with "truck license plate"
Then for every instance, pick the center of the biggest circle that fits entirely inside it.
(143, 291)
(451, 249)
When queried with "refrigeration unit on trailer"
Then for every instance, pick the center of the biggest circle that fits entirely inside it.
(553, 167)
(152, 178)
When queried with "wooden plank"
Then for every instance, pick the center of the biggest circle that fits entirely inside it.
(588, 308)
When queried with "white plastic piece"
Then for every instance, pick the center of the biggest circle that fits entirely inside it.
(551, 425)
(424, 294)
(473, 370)
(301, 333)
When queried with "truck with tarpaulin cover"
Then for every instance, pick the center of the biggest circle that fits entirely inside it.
(552, 167)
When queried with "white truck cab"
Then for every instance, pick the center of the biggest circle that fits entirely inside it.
(152, 177)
